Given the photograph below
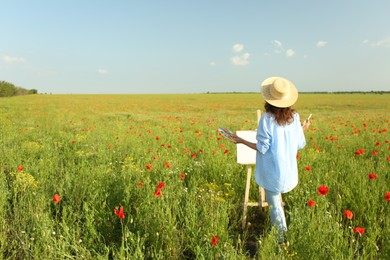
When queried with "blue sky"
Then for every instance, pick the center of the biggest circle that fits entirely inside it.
(167, 46)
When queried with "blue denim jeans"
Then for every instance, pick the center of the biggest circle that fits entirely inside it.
(278, 219)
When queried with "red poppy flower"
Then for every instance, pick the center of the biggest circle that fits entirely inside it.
(193, 155)
(388, 159)
(311, 203)
(298, 156)
(348, 214)
(372, 176)
(359, 230)
(226, 151)
(360, 151)
(214, 240)
(167, 164)
(140, 184)
(149, 166)
(20, 168)
(160, 185)
(387, 196)
(323, 190)
(157, 138)
(307, 168)
(182, 176)
(157, 193)
(120, 213)
(377, 144)
(56, 198)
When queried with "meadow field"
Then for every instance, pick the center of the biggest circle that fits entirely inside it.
(150, 177)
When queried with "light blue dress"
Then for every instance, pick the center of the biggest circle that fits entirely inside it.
(277, 147)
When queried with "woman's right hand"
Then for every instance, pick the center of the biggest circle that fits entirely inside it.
(236, 139)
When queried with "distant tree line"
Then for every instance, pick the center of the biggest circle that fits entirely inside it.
(349, 92)
(380, 92)
(8, 90)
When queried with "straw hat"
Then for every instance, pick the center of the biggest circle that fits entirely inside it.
(279, 92)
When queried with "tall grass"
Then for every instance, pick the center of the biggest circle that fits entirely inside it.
(161, 158)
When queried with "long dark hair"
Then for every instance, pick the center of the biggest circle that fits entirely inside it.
(283, 115)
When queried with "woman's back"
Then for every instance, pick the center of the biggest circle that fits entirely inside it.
(276, 166)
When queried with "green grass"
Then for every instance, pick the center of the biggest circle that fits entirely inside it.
(93, 150)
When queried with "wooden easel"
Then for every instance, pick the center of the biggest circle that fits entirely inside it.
(262, 200)
(261, 203)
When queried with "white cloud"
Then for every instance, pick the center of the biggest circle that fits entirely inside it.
(278, 46)
(290, 53)
(212, 63)
(103, 71)
(321, 44)
(277, 43)
(385, 42)
(246, 56)
(9, 59)
(238, 47)
(241, 60)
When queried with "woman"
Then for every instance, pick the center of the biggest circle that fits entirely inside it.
(279, 137)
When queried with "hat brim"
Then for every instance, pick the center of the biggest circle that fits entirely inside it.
(285, 102)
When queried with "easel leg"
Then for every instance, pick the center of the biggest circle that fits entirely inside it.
(247, 187)
(263, 202)
(263, 199)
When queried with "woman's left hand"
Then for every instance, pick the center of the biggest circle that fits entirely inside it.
(306, 124)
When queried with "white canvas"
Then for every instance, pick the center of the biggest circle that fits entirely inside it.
(246, 155)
